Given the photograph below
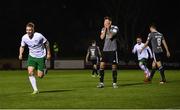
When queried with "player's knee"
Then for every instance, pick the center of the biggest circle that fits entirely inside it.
(154, 66)
(140, 65)
(114, 67)
(94, 66)
(102, 66)
(40, 74)
(159, 64)
(30, 72)
(153, 63)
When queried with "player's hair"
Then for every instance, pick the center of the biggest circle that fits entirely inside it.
(93, 42)
(30, 24)
(153, 25)
(139, 37)
(107, 17)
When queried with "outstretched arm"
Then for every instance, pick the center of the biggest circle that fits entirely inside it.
(166, 47)
(145, 45)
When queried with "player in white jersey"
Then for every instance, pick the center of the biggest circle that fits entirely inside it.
(38, 45)
(143, 56)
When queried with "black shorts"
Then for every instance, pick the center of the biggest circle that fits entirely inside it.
(158, 56)
(94, 61)
(143, 61)
(110, 57)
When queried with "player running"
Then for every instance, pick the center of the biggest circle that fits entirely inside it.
(109, 55)
(143, 56)
(157, 39)
(37, 45)
(93, 55)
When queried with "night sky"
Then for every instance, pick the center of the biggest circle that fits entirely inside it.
(73, 23)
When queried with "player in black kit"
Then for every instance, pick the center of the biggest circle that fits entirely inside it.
(109, 54)
(157, 39)
(93, 55)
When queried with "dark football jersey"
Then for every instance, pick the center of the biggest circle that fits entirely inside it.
(110, 44)
(156, 41)
(93, 52)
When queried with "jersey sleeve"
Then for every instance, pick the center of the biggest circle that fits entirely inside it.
(23, 42)
(149, 37)
(44, 39)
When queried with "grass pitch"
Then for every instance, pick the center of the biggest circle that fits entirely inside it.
(77, 89)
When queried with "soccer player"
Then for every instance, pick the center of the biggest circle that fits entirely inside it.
(94, 55)
(157, 39)
(38, 46)
(109, 54)
(143, 56)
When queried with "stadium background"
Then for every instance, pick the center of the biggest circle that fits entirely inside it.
(74, 23)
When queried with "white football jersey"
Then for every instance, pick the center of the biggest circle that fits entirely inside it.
(144, 53)
(35, 45)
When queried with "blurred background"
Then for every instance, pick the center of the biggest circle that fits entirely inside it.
(72, 24)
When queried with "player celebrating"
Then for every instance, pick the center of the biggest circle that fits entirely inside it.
(109, 54)
(157, 39)
(143, 56)
(94, 55)
(37, 45)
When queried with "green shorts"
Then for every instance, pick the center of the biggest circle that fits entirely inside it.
(143, 61)
(37, 63)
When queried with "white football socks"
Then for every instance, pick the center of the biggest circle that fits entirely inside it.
(145, 69)
(142, 67)
(147, 72)
(33, 82)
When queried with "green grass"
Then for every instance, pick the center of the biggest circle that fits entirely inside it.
(77, 89)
